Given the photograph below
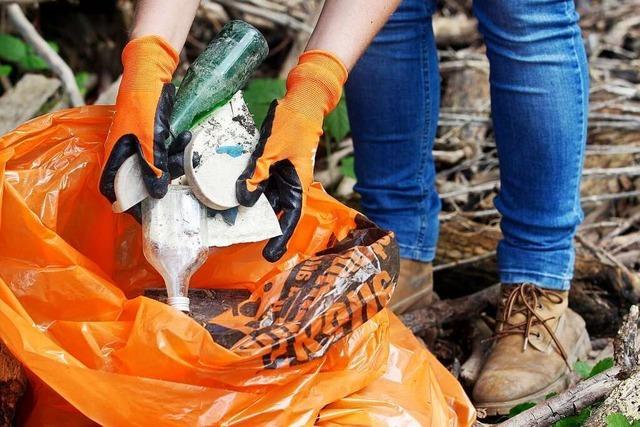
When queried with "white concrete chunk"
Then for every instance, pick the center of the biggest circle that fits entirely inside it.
(251, 225)
(128, 185)
(219, 152)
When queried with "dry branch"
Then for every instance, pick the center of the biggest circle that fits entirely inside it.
(441, 312)
(42, 48)
(480, 346)
(625, 397)
(456, 30)
(626, 343)
(568, 403)
(274, 16)
(300, 42)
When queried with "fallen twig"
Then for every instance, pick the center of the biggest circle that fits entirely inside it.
(621, 394)
(568, 403)
(628, 283)
(276, 17)
(480, 346)
(626, 343)
(40, 45)
(465, 261)
(624, 397)
(445, 311)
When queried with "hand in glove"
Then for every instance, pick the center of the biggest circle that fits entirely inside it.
(141, 122)
(281, 166)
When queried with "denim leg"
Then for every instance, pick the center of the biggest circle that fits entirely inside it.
(393, 95)
(539, 97)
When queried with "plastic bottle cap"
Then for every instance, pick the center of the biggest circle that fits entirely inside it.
(179, 303)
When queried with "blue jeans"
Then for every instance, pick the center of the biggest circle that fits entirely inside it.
(539, 99)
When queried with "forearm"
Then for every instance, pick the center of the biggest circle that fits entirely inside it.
(346, 27)
(169, 19)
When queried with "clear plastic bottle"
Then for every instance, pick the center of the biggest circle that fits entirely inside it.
(174, 233)
(222, 69)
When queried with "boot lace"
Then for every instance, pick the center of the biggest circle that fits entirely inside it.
(524, 299)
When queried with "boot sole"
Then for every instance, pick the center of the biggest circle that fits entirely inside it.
(559, 385)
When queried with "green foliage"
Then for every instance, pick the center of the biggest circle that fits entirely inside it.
(601, 366)
(520, 408)
(347, 167)
(550, 395)
(82, 79)
(582, 368)
(259, 94)
(575, 420)
(619, 420)
(5, 70)
(14, 50)
(587, 371)
(336, 125)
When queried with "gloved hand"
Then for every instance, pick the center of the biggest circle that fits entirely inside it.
(281, 166)
(141, 122)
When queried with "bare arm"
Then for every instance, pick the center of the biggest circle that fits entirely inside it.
(346, 27)
(170, 19)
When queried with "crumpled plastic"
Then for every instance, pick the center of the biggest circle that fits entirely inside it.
(313, 344)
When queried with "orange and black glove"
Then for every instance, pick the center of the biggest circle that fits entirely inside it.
(141, 122)
(281, 166)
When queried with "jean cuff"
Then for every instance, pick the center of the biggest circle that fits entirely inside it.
(416, 253)
(538, 279)
(547, 269)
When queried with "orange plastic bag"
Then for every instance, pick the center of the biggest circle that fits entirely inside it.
(313, 344)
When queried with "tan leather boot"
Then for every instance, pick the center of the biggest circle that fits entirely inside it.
(538, 340)
(415, 286)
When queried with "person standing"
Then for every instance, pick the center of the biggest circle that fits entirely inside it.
(539, 93)
(539, 102)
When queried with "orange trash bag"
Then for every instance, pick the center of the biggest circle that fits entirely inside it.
(312, 345)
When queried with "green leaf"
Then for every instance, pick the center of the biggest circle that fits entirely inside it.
(14, 50)
(617, 420)
(583, 369)
(550, 395)
(5, 70)
(520, 408)
(54, 46)
(33, 62)
(336, 124)
(601, 366)
(259, 94)
(575, 420)
(82, 79)
(587, 371)
(347, 167)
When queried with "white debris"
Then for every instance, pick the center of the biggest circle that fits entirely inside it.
(219, 152)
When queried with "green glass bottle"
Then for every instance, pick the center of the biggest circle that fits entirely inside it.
(222, 69)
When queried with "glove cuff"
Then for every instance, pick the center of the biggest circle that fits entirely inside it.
(148, 61)
(314, 86)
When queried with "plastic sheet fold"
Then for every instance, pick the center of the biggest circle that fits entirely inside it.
(313, 344)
